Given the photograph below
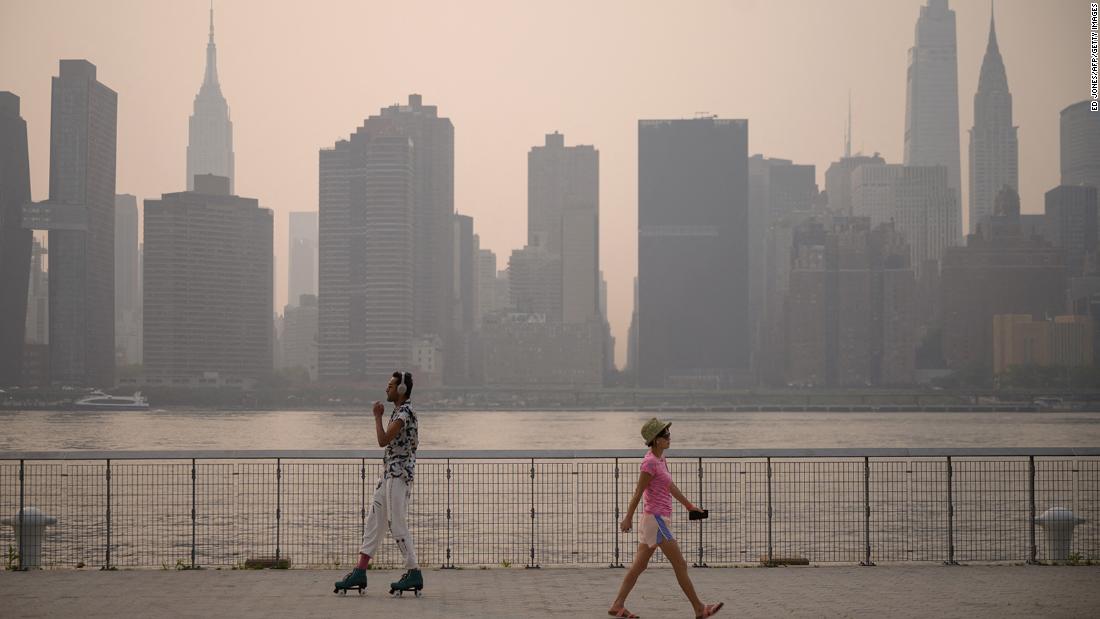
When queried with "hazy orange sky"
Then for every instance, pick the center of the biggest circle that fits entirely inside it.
(298, 76)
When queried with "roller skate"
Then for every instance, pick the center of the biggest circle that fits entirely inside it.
(410, 581)
(355, 579)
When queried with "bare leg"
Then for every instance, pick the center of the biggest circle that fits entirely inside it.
(679, 565)
(641, 560)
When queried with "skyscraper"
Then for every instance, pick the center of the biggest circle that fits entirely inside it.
(994, 157)
(127, 281)
(780, 192)
(367, 224)
(464, 301)
(693, 272)
(917, 199)
(932, 94)
(341, 251)
(432, 242)
(927, 213)
(872, 191)
(302, 266)
(208, 285)
(563, 198)
(347, 201)
(1071, 223)
(487, 285)
(838, 180)
(80, 217)
(388, 193)
(210, 143)
(15, 240)
(1080, 145)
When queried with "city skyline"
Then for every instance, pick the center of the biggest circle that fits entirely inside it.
(701, 66)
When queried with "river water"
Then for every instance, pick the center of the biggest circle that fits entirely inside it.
(181, 429)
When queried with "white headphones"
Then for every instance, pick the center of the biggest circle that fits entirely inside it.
(401, 387)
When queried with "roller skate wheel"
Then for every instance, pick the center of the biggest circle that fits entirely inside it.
(362, 591)
(343, 591)
(417, 593)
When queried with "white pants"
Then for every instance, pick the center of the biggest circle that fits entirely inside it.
(390, 506)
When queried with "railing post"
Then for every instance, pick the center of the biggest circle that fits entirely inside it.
(447, 562)
(1032, 550)
(616, 562)
(867, 512)
(278, 507)
(21, 506)
(192, 513)
(950, 515)
(531, 561)
(362, 493)
(107, 562)
(700, 562)
(769, 511)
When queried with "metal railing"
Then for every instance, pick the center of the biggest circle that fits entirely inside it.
(178, 510)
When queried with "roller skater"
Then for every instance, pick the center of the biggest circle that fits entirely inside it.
(400, 438)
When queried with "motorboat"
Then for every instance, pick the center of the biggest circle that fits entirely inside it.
(97, 400)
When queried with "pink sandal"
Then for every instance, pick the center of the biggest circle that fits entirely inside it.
(710, 610)
(622, 613)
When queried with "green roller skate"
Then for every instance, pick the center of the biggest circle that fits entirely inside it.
(410, 581)
(355, 579)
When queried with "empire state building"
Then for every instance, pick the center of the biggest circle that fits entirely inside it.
(210, 143)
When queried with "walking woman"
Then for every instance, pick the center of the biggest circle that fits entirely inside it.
(656, 484)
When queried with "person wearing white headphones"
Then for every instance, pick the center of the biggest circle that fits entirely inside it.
(391, 496)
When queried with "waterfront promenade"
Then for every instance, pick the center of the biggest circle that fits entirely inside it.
(833, 591)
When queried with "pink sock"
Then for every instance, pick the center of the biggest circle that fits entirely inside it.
(364, 561)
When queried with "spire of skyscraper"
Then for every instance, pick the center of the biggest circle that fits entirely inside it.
(848, 129)
(210, 147)
(992, 76)
(994, 157)
(211, 77)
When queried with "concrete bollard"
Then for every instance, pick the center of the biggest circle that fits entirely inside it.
(32, 534)
(1058, 523)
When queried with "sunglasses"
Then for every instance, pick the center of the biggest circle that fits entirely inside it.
(664, 434)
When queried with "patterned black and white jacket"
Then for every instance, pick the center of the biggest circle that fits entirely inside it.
(400, 457)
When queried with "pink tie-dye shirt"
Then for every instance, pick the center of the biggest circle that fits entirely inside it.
(658, 497)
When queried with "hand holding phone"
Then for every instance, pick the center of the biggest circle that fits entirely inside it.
(699, 514)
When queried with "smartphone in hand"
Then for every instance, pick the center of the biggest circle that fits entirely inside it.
(701, 514)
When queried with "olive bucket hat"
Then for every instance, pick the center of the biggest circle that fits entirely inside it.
(652, 428)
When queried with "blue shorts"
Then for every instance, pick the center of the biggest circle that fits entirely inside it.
(654, 530)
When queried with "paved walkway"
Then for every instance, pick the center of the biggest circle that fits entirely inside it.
(885, 591)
